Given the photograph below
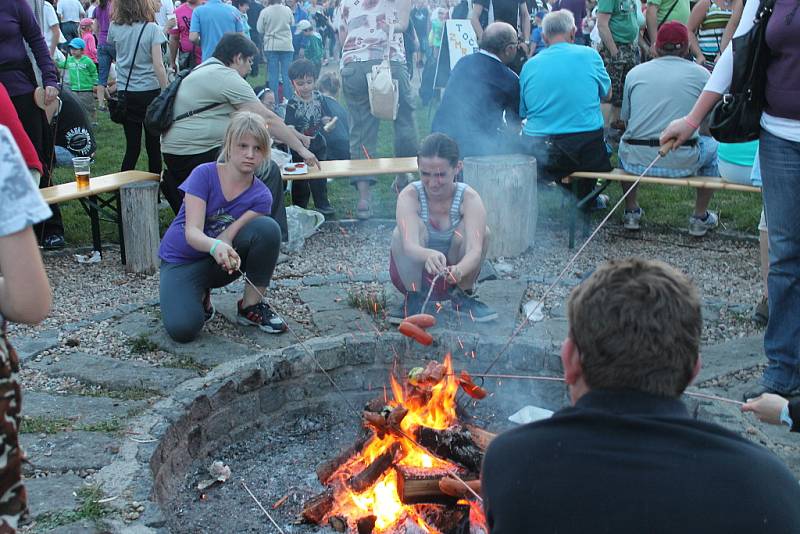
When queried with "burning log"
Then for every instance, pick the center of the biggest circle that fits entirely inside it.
(366, 525)
(454, 443)
(326, 470)
(370, 475)
(318, 507)
(338, 523)
(421, 486)
(455, 488)
(448, 520)
(482, 438)
(385, 422)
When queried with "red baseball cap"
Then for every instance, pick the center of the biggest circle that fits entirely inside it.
(672, 35)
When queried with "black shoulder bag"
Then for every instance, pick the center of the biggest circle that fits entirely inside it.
(159, 116)
(737, 117)
(117, 103)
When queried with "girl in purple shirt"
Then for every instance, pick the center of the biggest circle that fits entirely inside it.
(221, 231)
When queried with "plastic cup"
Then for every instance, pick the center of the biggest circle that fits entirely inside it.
(82, 167)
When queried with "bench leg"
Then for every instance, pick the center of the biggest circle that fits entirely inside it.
(94, 217)
(122, 254)
(573, 213)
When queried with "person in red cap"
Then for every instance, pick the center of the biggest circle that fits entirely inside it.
(655, 93)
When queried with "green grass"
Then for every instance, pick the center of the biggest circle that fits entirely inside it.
(88, 509)
(370, 300)
(667, 207)
(142, 344)
(53, 425)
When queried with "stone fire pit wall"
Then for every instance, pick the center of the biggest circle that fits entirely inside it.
(236, 406)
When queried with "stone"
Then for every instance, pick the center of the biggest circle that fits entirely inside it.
(731, 356)
(29, 347)
(116, 374)
(81, 410)
(207, 350)
(52, 494)
(503, 296)
(136, 324)
(325, 298)
(69, 451)
(83, 526)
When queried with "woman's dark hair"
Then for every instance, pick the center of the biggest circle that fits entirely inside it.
(103, 3)
(300, 69)
(233, 44)
(439, 145)
(237, 3)
(329, 83)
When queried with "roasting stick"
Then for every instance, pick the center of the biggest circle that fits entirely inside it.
(344, 397)
(663, 151)
(262, 508)
(430, 291)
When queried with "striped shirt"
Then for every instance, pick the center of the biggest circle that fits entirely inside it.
(709, 35)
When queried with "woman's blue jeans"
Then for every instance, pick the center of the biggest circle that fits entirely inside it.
(278, 70)
(105, 55)
(780, 172)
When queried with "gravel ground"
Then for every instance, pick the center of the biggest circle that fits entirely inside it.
(725, 271)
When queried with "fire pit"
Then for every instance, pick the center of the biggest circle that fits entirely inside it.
(401, 464)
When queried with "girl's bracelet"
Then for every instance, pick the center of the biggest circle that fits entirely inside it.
(690, 123)
(214, 246)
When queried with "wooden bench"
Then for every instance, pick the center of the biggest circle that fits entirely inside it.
(347, 168)
(95, 205)
(619, 175)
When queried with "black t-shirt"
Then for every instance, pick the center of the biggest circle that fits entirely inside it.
(420, 17)
(74, 132)
(504, 10)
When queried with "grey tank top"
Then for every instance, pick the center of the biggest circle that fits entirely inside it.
(439, 240)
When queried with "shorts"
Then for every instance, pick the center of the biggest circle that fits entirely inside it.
(618, 68)
(440, 291)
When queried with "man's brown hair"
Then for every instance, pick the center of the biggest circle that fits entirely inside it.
(636, 324)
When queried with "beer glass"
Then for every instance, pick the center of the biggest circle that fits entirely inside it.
(82, 171)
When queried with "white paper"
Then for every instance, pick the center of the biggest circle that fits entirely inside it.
(529, 414)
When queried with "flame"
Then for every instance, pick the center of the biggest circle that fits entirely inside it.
(437, 411)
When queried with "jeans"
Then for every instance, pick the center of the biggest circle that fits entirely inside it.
(105, 55)
(364, 126)
(278, 69)
(182, 285)
(780, 172)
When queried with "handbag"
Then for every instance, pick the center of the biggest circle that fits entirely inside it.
(384, 93)
(737, 117)
(117, 103)
(158, 118)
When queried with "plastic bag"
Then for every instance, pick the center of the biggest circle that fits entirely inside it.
(384, 95)
(302, 224)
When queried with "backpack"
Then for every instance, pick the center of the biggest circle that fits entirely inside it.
(158, 119)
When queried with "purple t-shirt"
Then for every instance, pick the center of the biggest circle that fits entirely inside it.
(103, 17)
(220, 212)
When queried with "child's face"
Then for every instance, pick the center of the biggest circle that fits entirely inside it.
(268, 99)
(304, 87)
(86, 29)
(77, 53)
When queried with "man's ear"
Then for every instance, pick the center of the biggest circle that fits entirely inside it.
(571, 360)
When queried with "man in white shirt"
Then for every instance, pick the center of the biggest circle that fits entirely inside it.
(71, 12)
(165, 16)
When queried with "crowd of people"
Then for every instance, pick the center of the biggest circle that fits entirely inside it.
(567, 81)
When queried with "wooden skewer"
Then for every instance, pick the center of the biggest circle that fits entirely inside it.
(262, 508)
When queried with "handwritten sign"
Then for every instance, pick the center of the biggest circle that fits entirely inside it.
(461, 40)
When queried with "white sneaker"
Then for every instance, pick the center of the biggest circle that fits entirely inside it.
(631, 220)
(698, 227)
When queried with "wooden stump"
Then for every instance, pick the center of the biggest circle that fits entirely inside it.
(139, 212)
(507, 185)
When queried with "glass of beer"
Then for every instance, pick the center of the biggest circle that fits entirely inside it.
(82, 171)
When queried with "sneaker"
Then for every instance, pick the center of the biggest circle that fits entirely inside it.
(699, 227)
(468, 304)
(208, 306)
(631, 219)
(327, 211)
(262, 316)
(761, 313)
(53, 242)
(600, 202)
(411, 305)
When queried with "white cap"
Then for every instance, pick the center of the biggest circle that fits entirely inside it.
(302, 26)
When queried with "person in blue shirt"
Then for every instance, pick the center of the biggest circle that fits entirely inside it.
(561, 89)
(210, 22)
(537, 39)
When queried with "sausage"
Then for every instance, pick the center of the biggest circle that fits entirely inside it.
(416, 333)
(470, 387)
(422, 320)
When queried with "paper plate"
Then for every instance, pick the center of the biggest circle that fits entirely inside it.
(529, 414)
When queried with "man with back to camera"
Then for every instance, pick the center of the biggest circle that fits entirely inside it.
(480, 104)
(627, 457)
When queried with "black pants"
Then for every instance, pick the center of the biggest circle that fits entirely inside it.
(137, 102)
(558, 156)
(35, 123)
(302, 190)
(178, 169)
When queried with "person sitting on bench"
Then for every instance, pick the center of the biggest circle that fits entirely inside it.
(441, 234)
(655, 93)
(221, 231)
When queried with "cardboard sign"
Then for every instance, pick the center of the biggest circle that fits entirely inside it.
(459, 40)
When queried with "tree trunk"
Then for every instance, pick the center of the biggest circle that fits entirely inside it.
(507, 186)
(139, 212)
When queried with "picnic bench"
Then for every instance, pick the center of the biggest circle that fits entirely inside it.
(346, 168)
(619, 175)
(103, 199)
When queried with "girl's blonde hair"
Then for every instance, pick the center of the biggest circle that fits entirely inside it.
(132, 11)
(245, 123)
